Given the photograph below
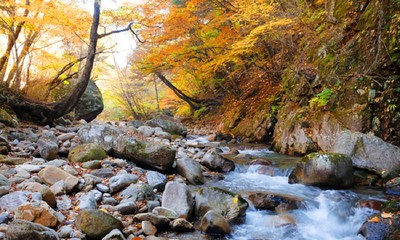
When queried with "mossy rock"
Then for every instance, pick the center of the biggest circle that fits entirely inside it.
(6, 118)
(96, 224)
(87, 152)
(331, 170)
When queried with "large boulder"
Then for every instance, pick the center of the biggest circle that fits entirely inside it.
(214, 223)
(87, 152)
(367, 152)
(148, 154)
(274, 202)
(324, 170)
(214, 161)
(96, 224)
(104, 134)
(90, 104)
(50, 175)
(21, 229)
(230, 205)
(191, 170)
(178, 198)
(169, 124)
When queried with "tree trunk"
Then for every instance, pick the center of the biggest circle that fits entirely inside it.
(46, 113)
(193, 103)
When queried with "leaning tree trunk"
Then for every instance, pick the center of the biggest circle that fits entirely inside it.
(45, 113)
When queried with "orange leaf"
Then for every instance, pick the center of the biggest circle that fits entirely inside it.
(374, 219)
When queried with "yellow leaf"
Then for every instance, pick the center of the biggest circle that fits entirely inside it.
(374, 219)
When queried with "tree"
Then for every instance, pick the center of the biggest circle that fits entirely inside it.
(48, 112)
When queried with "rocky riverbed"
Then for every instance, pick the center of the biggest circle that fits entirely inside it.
(135, 180)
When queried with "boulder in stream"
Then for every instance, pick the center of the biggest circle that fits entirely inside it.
(230, 205)
(191, 170)
(324, 170)
(214, 161)
(214, 223)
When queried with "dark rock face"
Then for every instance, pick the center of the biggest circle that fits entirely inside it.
(21, 229)
(393, 186)
(91, 103)
(324, 170)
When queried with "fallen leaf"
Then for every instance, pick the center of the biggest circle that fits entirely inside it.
(374, 219)
(386, 215)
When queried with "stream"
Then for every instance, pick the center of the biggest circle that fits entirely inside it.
(324, 214)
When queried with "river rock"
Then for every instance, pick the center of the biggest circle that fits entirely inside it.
(47, 147)
(169, 124)
(381, 228)
(177, 197)
(324, 170)
(274, 202)
(47, 195)
(103, 134)
(87, 201)
(87, 152)
(103, 173)
(11, 201)
(138, 192)
(114, 235)
(65, 231)
(38, 212)
(20, 229)
(214, 223)
(367, 151)
(158, 221)
(166, 212)
(127, 206)
(156, 180)
(191, 170)
(51, 175)
(393, 186)
(13, 160)
(216, 162)
(90, 104)
(96, 224)
(146, 131)
(159, 132)
(4, 181)
(181, 225)
(148, 228)
(149, 154)
(59, 188)
(228, 204)
(94, 164)
(119, 182)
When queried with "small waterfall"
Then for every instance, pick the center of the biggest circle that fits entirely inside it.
(324, 215)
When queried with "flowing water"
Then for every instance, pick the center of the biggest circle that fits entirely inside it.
(324, 214)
